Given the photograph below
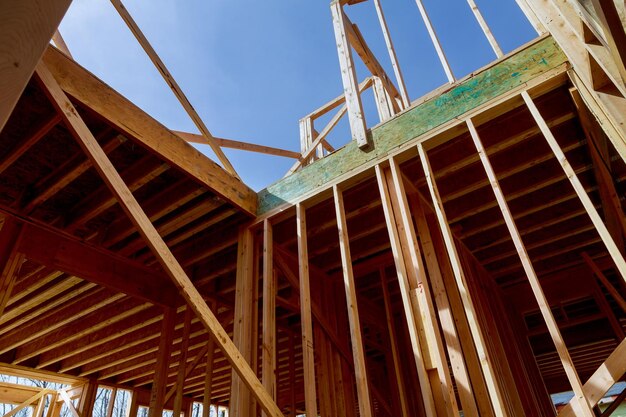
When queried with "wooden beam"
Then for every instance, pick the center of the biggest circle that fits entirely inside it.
(605, 281)
(23, 146)
(157, 394)
(165, 257)
(182, 364)
(240, 400)
(11, 258)
(614, 32)
(485, 28)
(207, 393)
(268, 351)
(25, 31)
(544, 306)
(459, 275)
(111, 403)
(428, 396)
(236, 144)
(68, 254)
(308, 357)
(488, 91)
(600, 157)
(406, 102)
(171, 82)
(435, 40)
(356, 117)
(362, 385)
(59, 42)
(147, 132)
(395, 352)
(614, 251)
(421, 297)
(329, 126)
(610, 372)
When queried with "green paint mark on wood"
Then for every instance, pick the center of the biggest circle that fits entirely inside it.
(481, 88)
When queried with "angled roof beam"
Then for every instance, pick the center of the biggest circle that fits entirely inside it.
(169, 79)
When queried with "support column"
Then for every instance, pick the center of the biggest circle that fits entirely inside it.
(365, 407)
(182, 364)
(269, 313)
(157, 394)
(356, 117)
(240, 401)
(477, 335)
(308, 357)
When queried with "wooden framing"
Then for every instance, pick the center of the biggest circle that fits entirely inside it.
(365, 408)
(268, 349)
(486, 363)
(308, 359)
(348, 75)
(169, 79)
(25, 34)
(158, 246)
(435, 40)
(130, 260)
(583, 406)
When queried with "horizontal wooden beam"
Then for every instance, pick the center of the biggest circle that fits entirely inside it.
(526, 66)
(236, 144)
(146, 131)
(74, 257)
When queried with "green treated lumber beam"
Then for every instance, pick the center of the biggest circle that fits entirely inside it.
(506, 75)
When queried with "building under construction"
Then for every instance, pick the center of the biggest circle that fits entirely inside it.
(463, 257)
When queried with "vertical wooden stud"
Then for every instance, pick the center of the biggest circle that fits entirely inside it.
(365, 407)
(308, 358)
(356, 117)
(269, 313)
(479, 342)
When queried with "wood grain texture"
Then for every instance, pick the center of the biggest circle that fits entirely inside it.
(484, 86)
(26, 27)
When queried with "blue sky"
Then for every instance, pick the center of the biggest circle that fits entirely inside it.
(253, 68)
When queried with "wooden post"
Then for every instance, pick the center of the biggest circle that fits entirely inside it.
(614, 251)
(435, 40)
(365, 407)
(544, 305)
(88, 399)
(485, 361)
(395, 353)
(383, 101)
(157, 395)
(25, 31)
(292, 375)
(10, 259)
(308, 357)
(356, 117)
(132, 409)
(208, 379)
(392, 55)
(269, 313)
(147, 230)
(182, 364)
(242, 328)
(467, 373)
(435, 402)
(111, 403)
(169, 79)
